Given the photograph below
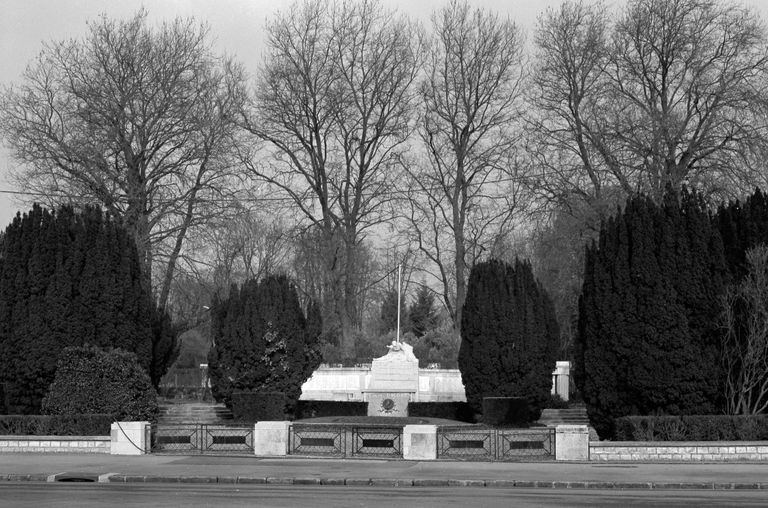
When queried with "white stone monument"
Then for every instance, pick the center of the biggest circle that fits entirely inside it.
(394, 381)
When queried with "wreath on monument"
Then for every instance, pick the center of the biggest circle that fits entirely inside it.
(387, 405)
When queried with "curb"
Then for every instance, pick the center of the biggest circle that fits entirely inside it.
(387, 482)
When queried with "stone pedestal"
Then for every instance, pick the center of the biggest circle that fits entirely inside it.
(130, 438)
(270, 439)
(420, 442)
(572, 442)
(394, 382)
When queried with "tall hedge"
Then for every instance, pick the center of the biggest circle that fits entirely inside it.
(509, 336)
(69, 278)
(262, 341)
(648, 339)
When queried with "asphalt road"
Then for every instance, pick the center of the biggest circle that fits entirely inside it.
(85, 495)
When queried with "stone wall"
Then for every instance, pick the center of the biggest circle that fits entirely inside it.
(349, 383)
(700, 451)
(435, 385)
(55, 444)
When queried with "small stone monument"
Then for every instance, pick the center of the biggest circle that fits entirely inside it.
(394, 381)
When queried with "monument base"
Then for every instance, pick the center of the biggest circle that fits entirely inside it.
(388, 403)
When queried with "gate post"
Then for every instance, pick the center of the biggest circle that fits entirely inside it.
(130, 438)
(572, 442)
(420, 442)
(270, 439)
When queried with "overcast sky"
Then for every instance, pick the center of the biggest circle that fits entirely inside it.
(235, 24)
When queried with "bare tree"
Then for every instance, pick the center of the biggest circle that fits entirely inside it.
(135, 118)
(670, 94)
(467, 191)
(333, 103)
(745, 345)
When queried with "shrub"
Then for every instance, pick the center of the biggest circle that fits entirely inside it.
(322, 408)
(252, 407)
(557, 402)
(91, 380)
(56, 425)
(460, 411)
(692, 428)
(506, 411)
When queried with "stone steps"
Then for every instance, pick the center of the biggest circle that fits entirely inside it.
(571, 416)
(196, 412)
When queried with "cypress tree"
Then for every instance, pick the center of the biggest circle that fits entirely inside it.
(742, 227)
(262, 340)
(66, 279)
(421, 314)
(509, 335)
(648, 340)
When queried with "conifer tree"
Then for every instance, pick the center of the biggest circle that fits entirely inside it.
(509, 335)
(68, 279)
(421, 314)
(648, 336)
(262, 340)
(742, 227)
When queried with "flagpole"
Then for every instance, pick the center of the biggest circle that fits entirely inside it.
(399, 269)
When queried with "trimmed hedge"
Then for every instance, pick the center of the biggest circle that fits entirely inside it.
(460, 411)
(56, 425)
(321, 408)
(91, 380)
(692, 428)
(506, 411)
(258, 406)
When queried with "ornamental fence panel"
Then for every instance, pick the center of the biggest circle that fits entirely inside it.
(377, 441)
(202, 438)
(460, 442)
(525, 444)
(472, 443)
(317, 439)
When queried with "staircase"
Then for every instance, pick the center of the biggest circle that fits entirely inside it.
(575, 415)
(193, 412)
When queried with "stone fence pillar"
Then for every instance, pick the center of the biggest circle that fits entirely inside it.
(572, 442)
(130, 438)
(270, 439)
(420, 442)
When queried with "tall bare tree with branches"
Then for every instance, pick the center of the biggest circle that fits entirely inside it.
(745, 345)
(467, 189)
(669, 94)
(137, 119)
(333, 104)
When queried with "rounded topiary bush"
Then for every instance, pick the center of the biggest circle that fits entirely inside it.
(91, 380)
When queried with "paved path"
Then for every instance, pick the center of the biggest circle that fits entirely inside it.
(245, 469)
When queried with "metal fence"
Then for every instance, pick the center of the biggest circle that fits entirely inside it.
(202, 438)
(316, 439)
(345, 440)
(495, 444)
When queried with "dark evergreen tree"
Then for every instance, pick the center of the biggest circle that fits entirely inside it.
(742, 227)
(165, 344)
(388, 314)
(422, 315)
(648, 340)
(509, 335)
(261, 340)
(67, 279)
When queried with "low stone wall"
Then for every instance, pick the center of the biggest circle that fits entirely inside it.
(700, 451)
(55, 444)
